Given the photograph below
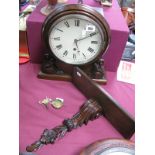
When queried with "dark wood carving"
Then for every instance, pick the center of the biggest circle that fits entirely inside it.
(100, 103)
(52, 69)
(117, 116)
(90, 110)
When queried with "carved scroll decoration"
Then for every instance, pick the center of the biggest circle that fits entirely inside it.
(90, 110)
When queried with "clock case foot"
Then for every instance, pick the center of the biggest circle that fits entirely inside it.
(51, 69)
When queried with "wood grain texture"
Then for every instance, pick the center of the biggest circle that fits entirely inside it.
(51, 69)
(90, 110)
(117, 116)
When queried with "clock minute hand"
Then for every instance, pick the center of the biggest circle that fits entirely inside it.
(90, 35)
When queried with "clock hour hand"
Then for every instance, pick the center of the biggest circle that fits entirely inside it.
(90, 35)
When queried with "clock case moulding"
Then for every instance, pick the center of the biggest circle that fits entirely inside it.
(54, 69)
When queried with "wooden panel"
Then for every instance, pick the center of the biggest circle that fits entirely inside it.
(117, 116)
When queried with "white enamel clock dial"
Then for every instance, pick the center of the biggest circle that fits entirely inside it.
(75, 39)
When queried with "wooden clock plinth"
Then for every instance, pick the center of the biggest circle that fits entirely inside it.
(52, 69)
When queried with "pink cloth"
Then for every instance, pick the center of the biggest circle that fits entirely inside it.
(34, 118)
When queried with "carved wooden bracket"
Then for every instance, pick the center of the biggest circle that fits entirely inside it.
(90, 110)
(55, 70)
(99, 103)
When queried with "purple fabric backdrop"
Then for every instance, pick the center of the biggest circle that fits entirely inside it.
(34, 118)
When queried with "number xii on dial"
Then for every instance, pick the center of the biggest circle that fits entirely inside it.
(76, 39)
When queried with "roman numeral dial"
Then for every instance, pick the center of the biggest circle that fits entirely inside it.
(67, 24)
(65, 53)
(90, 49)
(74, 56)
(59, 47)
(75, 39)
(57, 38)
(94, 42)
(77, 22)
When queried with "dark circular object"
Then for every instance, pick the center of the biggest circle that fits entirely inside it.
(85, 14)
(110, 147)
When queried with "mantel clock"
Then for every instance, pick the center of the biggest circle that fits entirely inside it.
(75, 35)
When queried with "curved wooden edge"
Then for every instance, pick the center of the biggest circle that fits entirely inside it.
(105, 144)
(65, 77)
(77, 9)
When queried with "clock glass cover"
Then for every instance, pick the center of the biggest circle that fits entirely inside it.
(76, 39)
(76, 34)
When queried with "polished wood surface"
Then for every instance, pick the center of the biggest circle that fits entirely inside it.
(55, 70)
(99, 103)
(51, 64)
(65, 77)
(117, 116)
(52, 2)
(90, 110)
(105, 147)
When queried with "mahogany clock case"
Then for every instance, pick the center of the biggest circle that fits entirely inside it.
(76, 9)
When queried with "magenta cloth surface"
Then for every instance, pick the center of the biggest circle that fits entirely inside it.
(113, 15)
(34, 118)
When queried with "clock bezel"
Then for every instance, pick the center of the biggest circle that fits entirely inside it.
(82, 10)
(77, 16)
